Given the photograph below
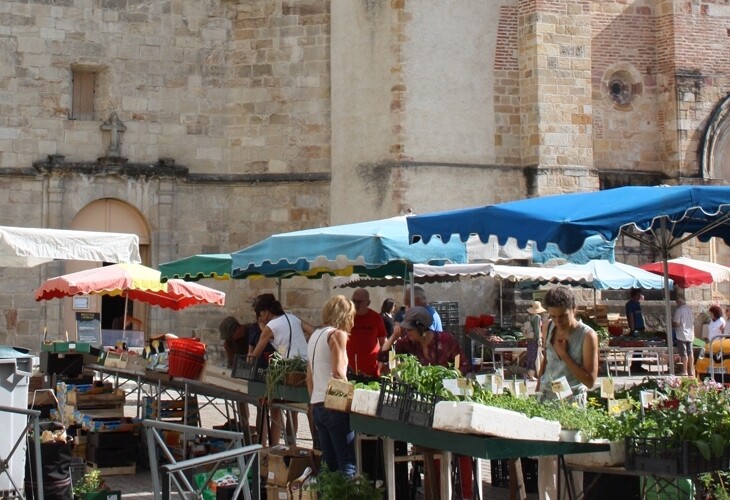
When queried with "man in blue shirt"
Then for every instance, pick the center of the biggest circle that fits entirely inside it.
(419, 299)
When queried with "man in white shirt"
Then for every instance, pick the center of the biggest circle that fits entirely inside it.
(683, 324)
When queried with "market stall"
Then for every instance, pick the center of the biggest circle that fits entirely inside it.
(661, 217)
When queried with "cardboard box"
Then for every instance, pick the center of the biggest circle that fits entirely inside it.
(114, 399)
(338, 395)
(288, 463)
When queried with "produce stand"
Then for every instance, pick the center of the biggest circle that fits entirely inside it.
(481, 447)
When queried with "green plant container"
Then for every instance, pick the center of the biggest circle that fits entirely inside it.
(100, 495)
(671, 457)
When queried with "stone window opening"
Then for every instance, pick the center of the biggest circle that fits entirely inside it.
(83, 94)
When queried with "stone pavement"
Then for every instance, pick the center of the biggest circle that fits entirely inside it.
(139, 486)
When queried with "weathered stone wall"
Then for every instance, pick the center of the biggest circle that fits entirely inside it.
(225, 86)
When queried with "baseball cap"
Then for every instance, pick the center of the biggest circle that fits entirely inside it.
(417, 318)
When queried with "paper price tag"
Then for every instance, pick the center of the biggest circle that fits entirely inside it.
(391, 360)
(607, 388)
(457, 361)
(520, 389)
(561, 388)
(497, 384)
(647, 397)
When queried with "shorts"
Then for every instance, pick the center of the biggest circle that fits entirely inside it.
(684, 348)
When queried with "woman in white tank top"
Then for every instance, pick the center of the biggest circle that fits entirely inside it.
(327, 354)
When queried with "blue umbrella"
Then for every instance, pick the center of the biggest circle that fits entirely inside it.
(569, 219)
(375, 248)
(664, 217)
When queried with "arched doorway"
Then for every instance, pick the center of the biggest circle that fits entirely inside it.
(112, 215)
(715, 160)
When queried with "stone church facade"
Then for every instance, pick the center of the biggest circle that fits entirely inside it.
(207, 125)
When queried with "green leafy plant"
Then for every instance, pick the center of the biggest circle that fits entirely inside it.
(714, 485)
(685, 409)
(280, 369)
(332, 485)
(426, 379)
(91, 482)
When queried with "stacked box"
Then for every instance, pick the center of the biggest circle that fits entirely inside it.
(285, 468)
(172, 410)
(78, 403)
(112, 449)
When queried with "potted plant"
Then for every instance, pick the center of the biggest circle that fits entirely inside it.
(685, 428)
(331, 485)
(92, 487)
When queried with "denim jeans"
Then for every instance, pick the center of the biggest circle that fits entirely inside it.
(336, 439)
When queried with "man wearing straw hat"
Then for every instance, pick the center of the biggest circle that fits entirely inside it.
(533, 338)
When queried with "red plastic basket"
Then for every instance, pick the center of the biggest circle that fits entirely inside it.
(189, 345)
(185, 365)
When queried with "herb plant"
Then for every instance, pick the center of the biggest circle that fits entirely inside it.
(279, 370)
(91, 482)
(332, 485)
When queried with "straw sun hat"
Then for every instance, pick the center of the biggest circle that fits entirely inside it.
(536, 308)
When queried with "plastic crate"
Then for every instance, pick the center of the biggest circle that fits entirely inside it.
(420, 408)
(671, 457)
(500, 473)
(393, 400)
(246, 370)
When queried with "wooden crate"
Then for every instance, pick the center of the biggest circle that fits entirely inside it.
(113, 471)
(114, 399)
(339, 395)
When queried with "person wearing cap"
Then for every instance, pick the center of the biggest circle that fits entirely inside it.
(533, 336)
(234, 338)
(420, 299)
(416, 337)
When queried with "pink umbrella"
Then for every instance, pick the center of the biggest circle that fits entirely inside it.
(132, 281)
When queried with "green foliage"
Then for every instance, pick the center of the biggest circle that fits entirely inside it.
(90, 483)
(714, 484)
(425, 379)
(370, 386)
(685, 409)
(280, 368)
(331, 485)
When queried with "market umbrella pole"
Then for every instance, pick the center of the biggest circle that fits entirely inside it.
(667, 302)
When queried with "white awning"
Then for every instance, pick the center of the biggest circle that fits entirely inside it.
(28, 247)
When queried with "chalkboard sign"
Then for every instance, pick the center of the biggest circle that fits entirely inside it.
(88, 328)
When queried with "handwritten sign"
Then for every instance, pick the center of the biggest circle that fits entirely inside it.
(561, 388)
(88, 328)
(607, 388)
